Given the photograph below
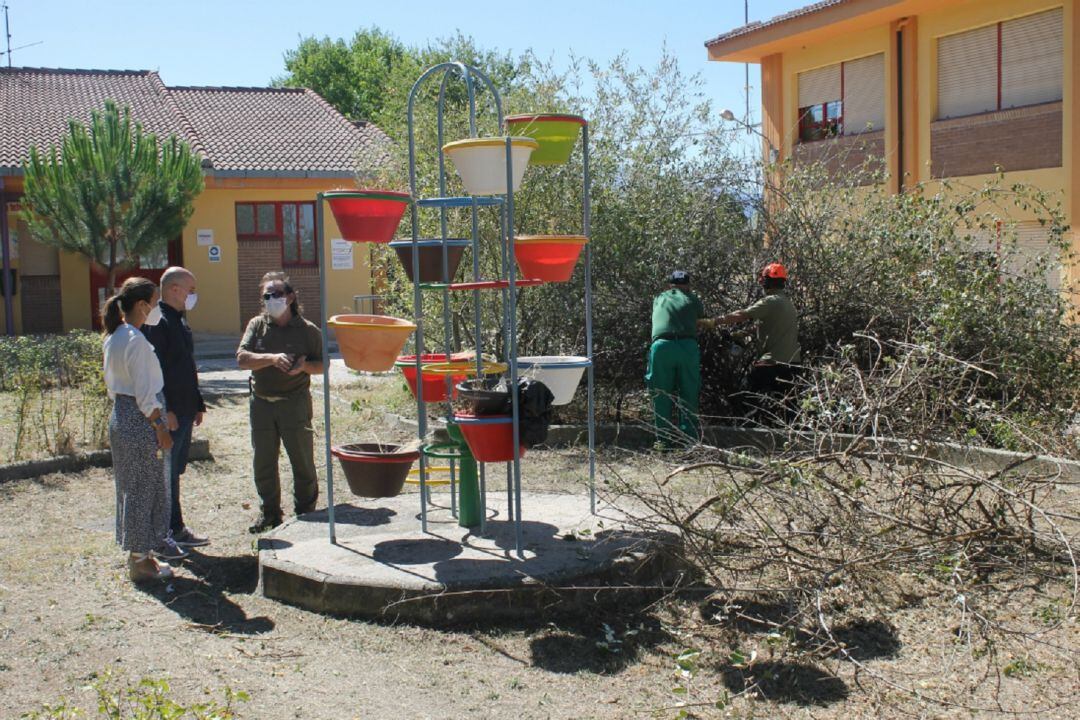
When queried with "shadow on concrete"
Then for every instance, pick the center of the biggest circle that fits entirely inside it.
(502, 533)
(346, 514)
(415, 552)
(273, 544)
(796, 683)
(203, 602)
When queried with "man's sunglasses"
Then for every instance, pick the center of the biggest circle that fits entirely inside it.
(275, 294)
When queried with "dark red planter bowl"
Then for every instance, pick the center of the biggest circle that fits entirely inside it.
(375, 470)
(367, 215)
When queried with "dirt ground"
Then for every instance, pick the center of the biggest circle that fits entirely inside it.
(68, 613)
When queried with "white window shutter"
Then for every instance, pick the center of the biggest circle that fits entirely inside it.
(819, 86)
(1033, 246)
(967, 72)
(864, 94)
(1031, 59)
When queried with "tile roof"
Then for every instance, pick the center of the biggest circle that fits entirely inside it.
(36, 104)
(236, 131)
(779, 19)
(278, 130)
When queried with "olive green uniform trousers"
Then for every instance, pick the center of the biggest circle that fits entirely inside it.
(286, 421)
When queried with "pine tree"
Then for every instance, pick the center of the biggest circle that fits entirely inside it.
(110, 192)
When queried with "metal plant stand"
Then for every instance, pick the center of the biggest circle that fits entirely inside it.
(468, 478)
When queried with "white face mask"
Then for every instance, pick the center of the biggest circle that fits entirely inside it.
(154, 316)
(277, 306)
(189, 302)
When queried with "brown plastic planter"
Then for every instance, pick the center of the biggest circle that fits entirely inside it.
(430, 252)
(375, 470)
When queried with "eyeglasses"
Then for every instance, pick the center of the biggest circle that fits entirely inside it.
(275, 294)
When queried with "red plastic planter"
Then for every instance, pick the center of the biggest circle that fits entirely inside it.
(367, 215)
(490, 437)
(434, 384)
(550, 258)
(373, 470)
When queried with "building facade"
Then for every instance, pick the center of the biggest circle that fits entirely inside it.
(927, 89)
(265, 153)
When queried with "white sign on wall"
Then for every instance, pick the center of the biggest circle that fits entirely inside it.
(341, 254)
(204, 237)
(214, 253)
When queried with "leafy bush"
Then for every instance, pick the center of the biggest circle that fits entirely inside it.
(941, 269)
(57, 391)
(939, 265)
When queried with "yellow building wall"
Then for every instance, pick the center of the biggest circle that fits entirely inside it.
(75, 292)
(218, 309)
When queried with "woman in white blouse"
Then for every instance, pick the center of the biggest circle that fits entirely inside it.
(137, 427)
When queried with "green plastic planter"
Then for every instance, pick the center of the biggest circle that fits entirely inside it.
(557, 134)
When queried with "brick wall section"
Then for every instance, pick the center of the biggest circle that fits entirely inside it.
(1018, 139)
(41, 310)
(855, 158)
(255, 258)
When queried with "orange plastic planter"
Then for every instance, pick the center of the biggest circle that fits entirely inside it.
(434, 383)
(370, 342)
(367, 215)
(548, 257)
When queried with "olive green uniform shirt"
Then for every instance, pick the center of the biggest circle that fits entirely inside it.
(297, 338)
(779, 328)
(675, 314)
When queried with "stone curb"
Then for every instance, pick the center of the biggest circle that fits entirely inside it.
(636, 437)
(200, 450)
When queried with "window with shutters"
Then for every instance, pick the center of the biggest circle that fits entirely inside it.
(847, 98)
(1017, 249)
(1006, 65)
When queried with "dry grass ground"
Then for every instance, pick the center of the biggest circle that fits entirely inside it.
(67, 613)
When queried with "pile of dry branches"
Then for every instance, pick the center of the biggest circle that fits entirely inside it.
(832, 514)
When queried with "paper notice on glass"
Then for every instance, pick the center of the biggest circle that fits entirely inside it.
(341, 254)
(204, 237)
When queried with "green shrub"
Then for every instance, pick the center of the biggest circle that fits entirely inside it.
(57, 391)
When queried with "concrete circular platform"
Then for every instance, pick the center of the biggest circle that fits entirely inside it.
(383, 566)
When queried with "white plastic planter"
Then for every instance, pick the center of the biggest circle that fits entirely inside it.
(481, 162)
(561, 373)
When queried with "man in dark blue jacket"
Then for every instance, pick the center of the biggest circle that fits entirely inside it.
(171, 338)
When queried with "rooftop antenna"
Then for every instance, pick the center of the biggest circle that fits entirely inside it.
(7, 35)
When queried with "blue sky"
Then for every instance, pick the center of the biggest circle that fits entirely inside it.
(240, 42)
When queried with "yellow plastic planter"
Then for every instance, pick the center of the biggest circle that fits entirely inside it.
(370, 343)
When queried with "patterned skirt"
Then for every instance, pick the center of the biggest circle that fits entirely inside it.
(142, 479)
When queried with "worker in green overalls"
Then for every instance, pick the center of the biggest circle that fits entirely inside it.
(283, 350)
(674, 372)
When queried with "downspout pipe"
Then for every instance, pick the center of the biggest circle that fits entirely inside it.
(5, 241)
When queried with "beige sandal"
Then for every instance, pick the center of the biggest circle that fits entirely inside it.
(145, 568)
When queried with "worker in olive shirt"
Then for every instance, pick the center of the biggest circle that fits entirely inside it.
(282, 350)
(674, 372)
(779, 330)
